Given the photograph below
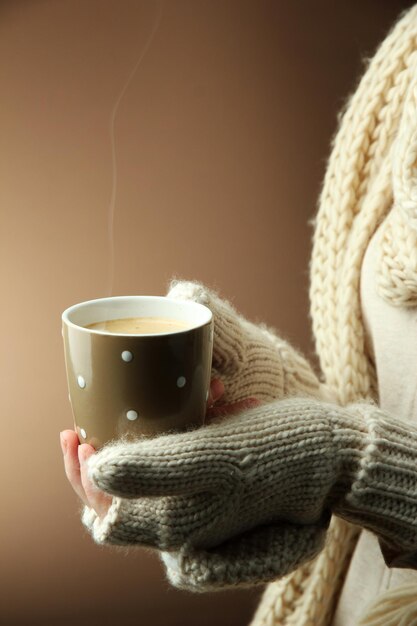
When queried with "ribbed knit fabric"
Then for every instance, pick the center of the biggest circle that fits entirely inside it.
(383, 494)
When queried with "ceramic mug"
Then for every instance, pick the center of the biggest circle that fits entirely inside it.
(135, 385)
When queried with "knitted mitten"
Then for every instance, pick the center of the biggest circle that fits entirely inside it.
(248, 498)
(251, 359)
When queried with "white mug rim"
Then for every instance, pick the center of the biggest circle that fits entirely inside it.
(208, 315)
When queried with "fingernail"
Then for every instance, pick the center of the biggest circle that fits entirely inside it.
(63, 443)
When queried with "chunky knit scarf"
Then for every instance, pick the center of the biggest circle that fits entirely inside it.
(371, 178)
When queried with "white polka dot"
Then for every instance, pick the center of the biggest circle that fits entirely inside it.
(81, 382)
(132, 415)
(207, 395)
(127, 356)
(181, 381)
(83, 433)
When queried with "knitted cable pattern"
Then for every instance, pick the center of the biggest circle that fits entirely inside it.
(367, 168)
(397, 281)
(251, 358)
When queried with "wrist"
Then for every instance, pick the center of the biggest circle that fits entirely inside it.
(382, 495)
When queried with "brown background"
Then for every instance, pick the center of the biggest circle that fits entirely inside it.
(221, 139)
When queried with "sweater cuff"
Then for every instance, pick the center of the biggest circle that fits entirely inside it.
(383, 493)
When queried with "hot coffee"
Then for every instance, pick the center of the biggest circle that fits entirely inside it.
(140, 325)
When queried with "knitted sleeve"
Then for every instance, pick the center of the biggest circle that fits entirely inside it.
(383, 492)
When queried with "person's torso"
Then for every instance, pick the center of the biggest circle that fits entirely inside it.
(391, 335)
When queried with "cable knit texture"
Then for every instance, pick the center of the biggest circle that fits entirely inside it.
(252, 359)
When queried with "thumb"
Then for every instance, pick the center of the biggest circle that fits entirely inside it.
(229, 341)
(173, 464)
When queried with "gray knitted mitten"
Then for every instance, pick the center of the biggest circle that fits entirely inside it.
(243, 500)
(248, 498)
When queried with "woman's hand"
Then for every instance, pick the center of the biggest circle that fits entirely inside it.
(76, 455)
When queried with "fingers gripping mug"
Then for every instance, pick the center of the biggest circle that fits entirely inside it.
(137, 366)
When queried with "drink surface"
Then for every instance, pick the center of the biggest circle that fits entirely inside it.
(140, 325)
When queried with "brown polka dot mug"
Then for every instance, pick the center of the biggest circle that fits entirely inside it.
(137, 366)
